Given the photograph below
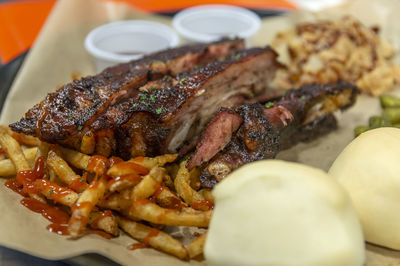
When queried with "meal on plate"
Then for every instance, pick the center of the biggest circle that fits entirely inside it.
(345, 49)
(140, 145)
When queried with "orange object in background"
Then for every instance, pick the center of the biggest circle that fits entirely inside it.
(174, 5)
(21, 21)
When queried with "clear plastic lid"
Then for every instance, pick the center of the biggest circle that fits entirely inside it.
(207, 23)
(123, 41)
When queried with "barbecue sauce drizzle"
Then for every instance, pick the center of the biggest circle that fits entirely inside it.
(146, 241)
(30, 182)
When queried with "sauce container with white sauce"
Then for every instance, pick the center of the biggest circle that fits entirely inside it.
(123, 41)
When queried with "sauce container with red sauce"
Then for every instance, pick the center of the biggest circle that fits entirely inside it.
(123, 41)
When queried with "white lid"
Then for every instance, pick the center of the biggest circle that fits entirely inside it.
(211, 22)
(123, 41)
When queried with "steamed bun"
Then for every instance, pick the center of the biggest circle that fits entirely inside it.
(279, 213)
(369, 168)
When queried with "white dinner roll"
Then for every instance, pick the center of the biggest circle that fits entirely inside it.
(369, 168)
(280, 213)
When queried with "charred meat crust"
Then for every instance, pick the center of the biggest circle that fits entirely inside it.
(180, 107)
(65, 114)
(256, 139)
(300, 115)
(309, 132)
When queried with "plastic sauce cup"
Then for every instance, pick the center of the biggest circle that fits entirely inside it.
(123, 41)
(208, 23)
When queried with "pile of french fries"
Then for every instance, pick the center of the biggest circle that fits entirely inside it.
(139, 196)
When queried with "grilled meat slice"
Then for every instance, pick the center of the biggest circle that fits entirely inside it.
(65, 115)
(298, 116)
(216, 136)
(256, 139)
(178, 109)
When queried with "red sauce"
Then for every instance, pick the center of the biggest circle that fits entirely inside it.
(146, 241)
(94, 184)
(59, 229)
(133, 167)
(79, 184)
(97, 164)
(196, 234)
(158, 189)
(176, 204)
(77, 210)
(42, 117)
(141, 201)
(203, 205)
(138, 159)
(27, 178)
(2, 151)
(97, 232)
(13, 184)
(51, 213)
(131, 177)
(56, 192)
(114, 160)
(106, 213)
(39, 167)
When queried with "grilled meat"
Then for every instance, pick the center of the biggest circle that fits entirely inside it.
(66, 115)
(151, 117)
(216, 136)
(169, 112)
(297, 116)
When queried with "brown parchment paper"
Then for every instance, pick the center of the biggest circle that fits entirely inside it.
(59, 51)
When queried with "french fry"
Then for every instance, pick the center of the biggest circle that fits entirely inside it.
(88, 143)
(25, 139)
(140, 189)
(43, 149)
(121, 183)
(196, 247)
(206, 193)
(84, 205)
(98, 165)
(56, 192)
(146, 210)
(105, 221)
(167, 199)
(6, 129)
(127, 168)
(149, 184)
(14, 151)
(183, 188)
(153, 237)
(7, 168)
(52, 176)
(64, 172)
(76, 159)
(117, 201)
(150, 163)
